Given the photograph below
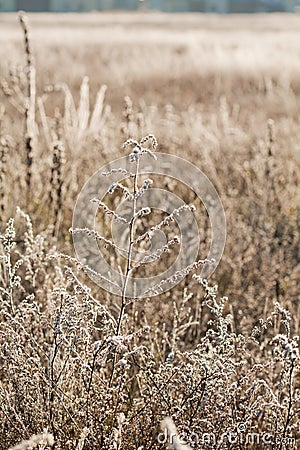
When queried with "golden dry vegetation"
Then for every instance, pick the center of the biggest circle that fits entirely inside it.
(83, 366)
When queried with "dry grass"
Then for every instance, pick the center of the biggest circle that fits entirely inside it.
(82, 366)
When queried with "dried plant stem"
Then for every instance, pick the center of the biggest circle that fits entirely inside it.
(3, 174)
(128, 117)
(56, 180)
(131, 243)
(30, 99)
(290, 405)
(128, 263)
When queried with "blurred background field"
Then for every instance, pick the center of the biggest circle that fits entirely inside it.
(182, 59)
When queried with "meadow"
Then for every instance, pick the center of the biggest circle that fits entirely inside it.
(216, 360)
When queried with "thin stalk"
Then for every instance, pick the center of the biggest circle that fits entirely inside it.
(30, 100)
(128, 264)
(289, 411)
(10, 284)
